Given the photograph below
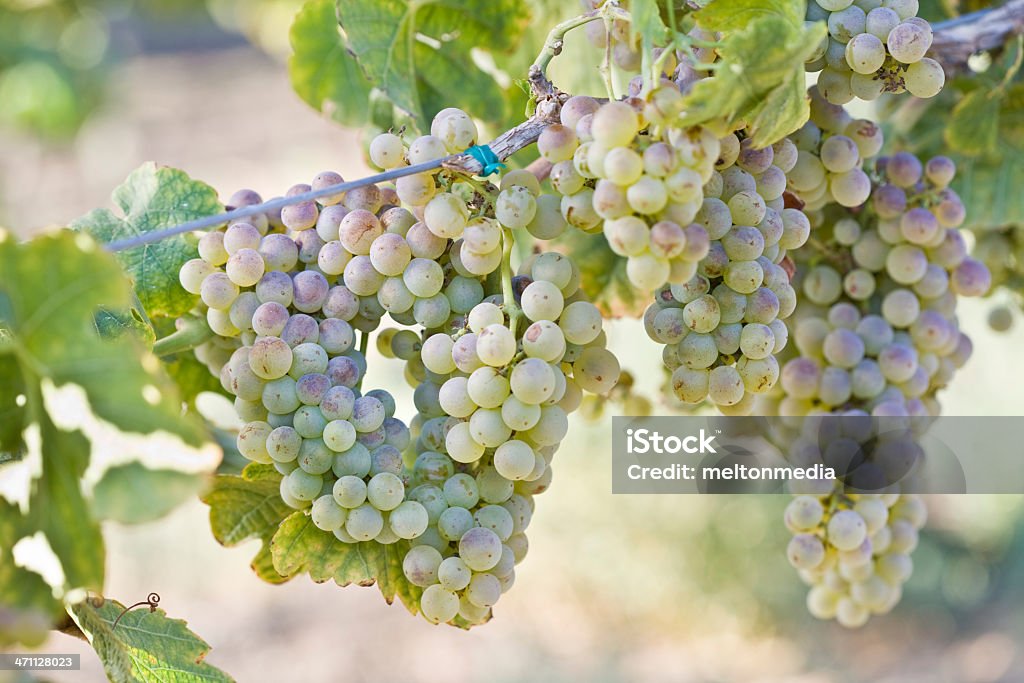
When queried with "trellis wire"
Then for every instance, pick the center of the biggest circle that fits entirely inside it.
(272, 205)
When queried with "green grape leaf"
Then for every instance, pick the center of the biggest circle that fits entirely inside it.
(152, 198)
(647, 22)
(146, 646)
(111, 324)
(991, 191)
(391, 577)
(974, 124)
(27, 605)
(766, 54)
(419, 54)
(734, 15)
(603, 275)
(12, 415)
(117, 497)
(87, 401)
(249, 506)
(323, 71)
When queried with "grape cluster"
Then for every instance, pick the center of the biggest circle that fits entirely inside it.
(723, 327)
(286, 295)
(873, 47)
(853, 550)
(493, 397)
(876, 335)
(832, 148)
(642, 191)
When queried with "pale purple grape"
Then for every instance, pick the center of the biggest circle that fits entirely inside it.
(329, 220)
(340, 303)
(312, 388)
(300, 329)
(275, 287)
(908, 42)
(843, 348)
(269, 319)
(311, 290)
(343, 371)
(800, 378)
(279, 252)
(903, 169)
(762, 306)
(971, 278)
(753, 160)
(940, 171)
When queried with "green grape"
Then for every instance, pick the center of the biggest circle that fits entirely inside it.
(385, 491)
(480, 549)
(350, 491)
(438, 604)
(453, 574)
(461, 444)
(615, 124)
(364, 523)
(327, 515)
(519, 416)
(515, 207)
(279, 396)
(283, 444)
(487, 388)
(725, 386)
(805, 551)
(846, 530)
(648, 195)
(409, 519)
(454, 398)
(924, 78)
(484, 590)
(545, 340)
(420, 565)
(302, 485)
(514, 460)
(193, 273)
(455, 522)
(496, 345)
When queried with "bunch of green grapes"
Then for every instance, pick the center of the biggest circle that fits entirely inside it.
(642, 190)
(286, 295)
(723, 327)
(493, 392)
(853, 550)
(873, 47)
(832, 148)
(876, 335)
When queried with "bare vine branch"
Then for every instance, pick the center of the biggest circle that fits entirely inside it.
(956, 40)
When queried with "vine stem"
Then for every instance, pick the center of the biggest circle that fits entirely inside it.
(194, 332)
(556, 37)
(507, 294)
(988, 29)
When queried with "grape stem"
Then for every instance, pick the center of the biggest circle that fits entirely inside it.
(507, 295)
(555, 41)
(194, 332)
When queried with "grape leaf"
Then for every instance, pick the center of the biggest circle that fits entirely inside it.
(733, 15)
(153, 198)
(84, 398)
(146, 646)
(419, 54)
(783, 110)
(603, 275)
(12, 415)
(768, 53)
(249, 506)
(114, 323)
(647, 22)
(974, 124)
(323, 71)
(299, 546)
(25, 598)
(117, 497)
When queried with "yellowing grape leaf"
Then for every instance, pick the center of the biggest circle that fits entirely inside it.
(249, 506)
(299, 547)
(146, 646)
(732, 15)
(759, 59)
(152, 198)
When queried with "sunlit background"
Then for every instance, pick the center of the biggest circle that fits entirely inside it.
(637, 588)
